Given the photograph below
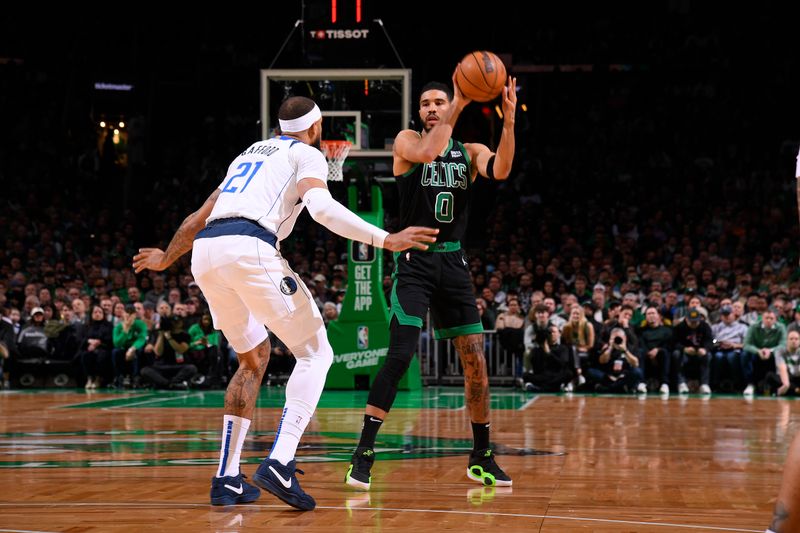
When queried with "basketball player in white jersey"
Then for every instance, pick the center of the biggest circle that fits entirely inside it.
(236, 261)
(786, 516)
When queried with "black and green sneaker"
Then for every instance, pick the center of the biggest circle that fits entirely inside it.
(360, 465)
(485, 471)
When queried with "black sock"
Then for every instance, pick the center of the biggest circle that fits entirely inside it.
(480, 435)
(369, 431)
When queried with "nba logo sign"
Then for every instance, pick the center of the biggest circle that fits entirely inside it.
(363, 251)
(362, 337)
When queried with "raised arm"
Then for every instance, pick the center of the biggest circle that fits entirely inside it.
(156, 259)
(497, 165)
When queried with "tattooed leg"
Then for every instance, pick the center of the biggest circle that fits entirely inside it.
(476, 380)
(242, 392)
(779, 518)
(786, 518)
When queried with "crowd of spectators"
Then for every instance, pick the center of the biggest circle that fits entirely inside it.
(648, 225)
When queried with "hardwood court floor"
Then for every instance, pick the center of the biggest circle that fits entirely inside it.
(70, 461)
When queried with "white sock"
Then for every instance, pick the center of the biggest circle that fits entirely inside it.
(234, 429)
(292, 425)
(314, 358)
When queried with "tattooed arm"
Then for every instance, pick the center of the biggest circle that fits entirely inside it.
(476, 380)
(155, 259)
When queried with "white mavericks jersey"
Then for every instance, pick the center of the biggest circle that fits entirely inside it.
(261, 184)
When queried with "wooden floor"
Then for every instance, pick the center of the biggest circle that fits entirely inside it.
(75, 462)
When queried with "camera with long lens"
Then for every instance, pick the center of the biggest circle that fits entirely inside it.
(618, 339)
(541, 335)
(165, 324)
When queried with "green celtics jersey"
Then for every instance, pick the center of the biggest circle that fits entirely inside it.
(436, 194)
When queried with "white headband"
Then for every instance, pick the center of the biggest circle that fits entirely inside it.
(301, 123)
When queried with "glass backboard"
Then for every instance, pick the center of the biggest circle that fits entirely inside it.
(367, 107)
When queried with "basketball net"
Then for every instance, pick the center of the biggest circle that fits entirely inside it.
(335, 152)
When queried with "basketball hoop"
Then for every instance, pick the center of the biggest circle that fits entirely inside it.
(335, 152)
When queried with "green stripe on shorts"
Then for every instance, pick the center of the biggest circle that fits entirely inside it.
(449, 333)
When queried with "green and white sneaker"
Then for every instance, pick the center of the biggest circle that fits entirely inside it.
(358, 475)
(485, 471)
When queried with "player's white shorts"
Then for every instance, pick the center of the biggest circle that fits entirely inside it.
(248, 285)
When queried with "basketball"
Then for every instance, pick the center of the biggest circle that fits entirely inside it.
(481, 76)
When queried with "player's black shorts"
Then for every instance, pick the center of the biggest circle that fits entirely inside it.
(439, 280)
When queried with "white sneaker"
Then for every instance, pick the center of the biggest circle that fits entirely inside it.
(683, 388)
(664, 389)
(89, 384)
(705, 389)
(581, 380)
(568, 387)
(748, 391)
(641, 388)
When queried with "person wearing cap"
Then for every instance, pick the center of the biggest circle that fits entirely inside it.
(236, 261)
(760, 342)
(194, 291)
(694, 342)
(727, 363)
(32, 340)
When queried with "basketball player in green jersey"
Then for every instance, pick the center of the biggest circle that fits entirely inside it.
(435, 175)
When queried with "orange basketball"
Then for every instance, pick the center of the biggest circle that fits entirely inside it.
(481, 76)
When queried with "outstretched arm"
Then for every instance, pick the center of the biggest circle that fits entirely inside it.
(156, 259)
(340, 220)
(411, 147)
(498, 165)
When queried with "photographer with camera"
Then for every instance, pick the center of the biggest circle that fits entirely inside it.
(553, 364)
(170, 369)
(535, 334)
(617, 368)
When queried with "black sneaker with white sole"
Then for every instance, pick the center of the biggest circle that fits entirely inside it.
(358, 476)
(281, 481)
(230, 490)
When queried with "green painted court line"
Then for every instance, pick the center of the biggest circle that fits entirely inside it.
(273, 397)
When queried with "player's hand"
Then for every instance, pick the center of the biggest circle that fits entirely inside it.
(510, 100)
(149, 258)
(411, 237)
(458, 97)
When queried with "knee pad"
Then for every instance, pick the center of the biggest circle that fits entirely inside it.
(402, 345)
(316, 347)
